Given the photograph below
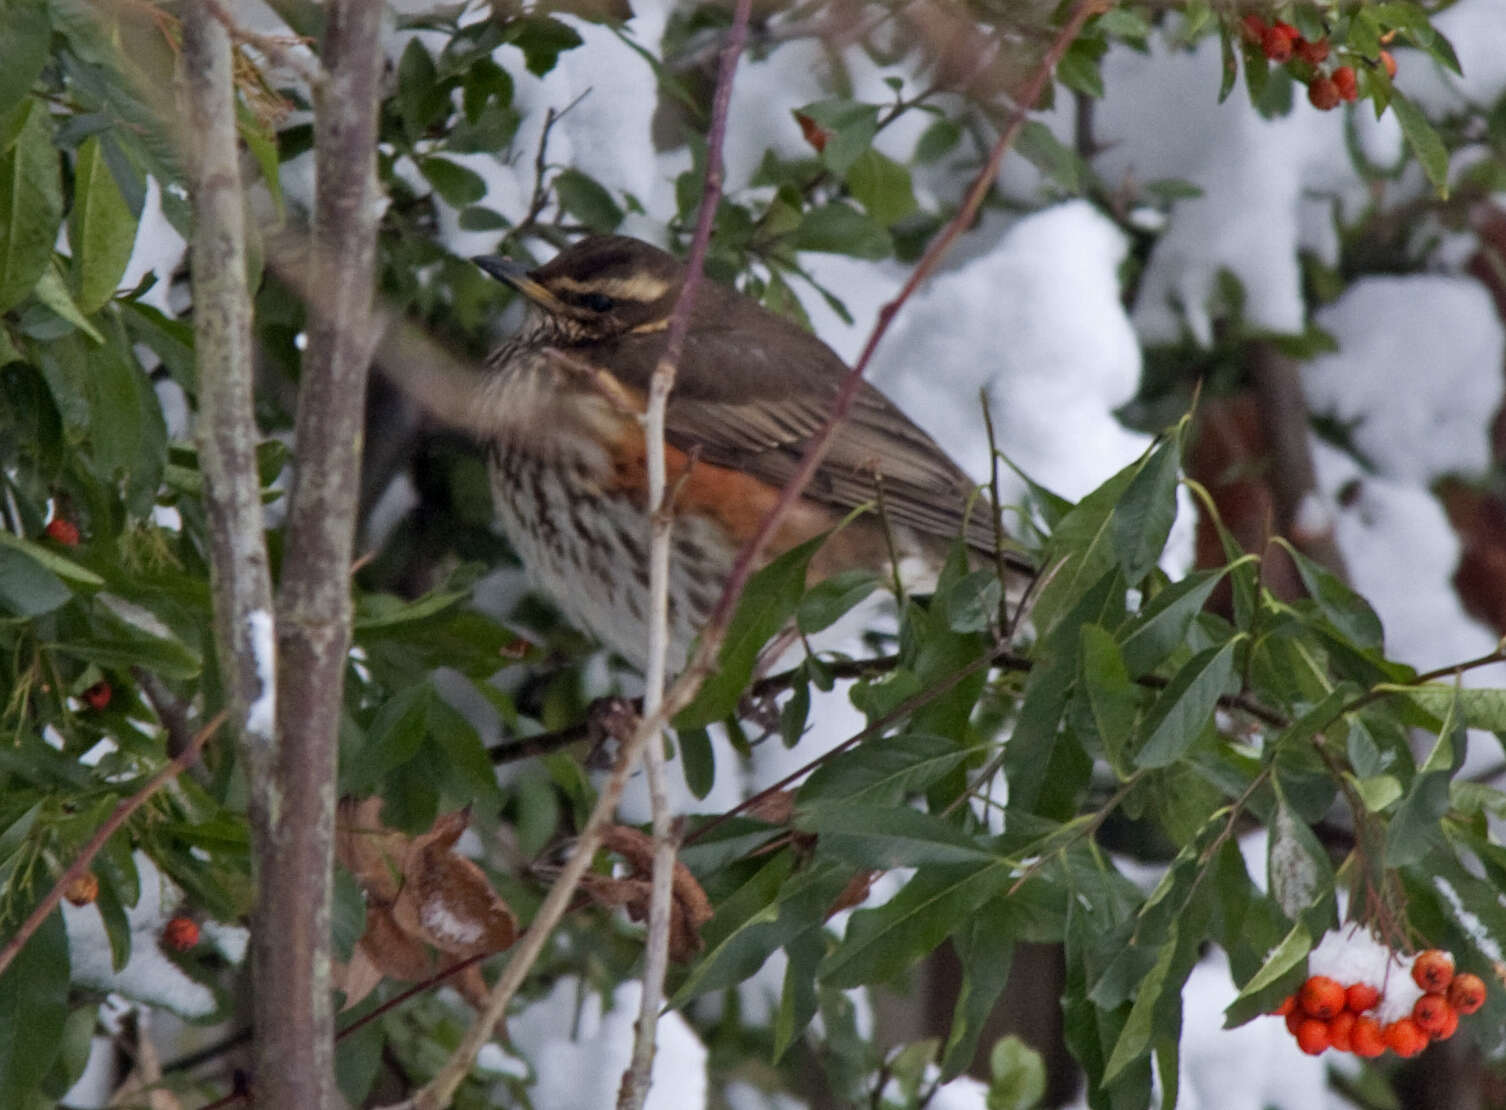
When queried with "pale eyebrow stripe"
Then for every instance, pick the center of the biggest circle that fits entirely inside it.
(643, 288)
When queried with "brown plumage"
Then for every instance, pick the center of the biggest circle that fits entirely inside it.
(751, 390)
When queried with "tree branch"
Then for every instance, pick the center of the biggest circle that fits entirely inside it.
(293, 1016)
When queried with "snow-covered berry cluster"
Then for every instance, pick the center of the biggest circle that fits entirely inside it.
(1362, 998)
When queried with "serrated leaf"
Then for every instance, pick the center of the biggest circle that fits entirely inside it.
(101, 228)
(31, 204)
(1185, 706)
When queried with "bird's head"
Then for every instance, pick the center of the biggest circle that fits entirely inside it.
(602, 287)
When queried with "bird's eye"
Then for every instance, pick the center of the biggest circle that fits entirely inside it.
(598, 302)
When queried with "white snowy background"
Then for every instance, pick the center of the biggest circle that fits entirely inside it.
(1030, 312)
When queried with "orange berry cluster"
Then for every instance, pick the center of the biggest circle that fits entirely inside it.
(1281, 43)
(1325, 1014)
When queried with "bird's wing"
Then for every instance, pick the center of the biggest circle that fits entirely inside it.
(755, 407)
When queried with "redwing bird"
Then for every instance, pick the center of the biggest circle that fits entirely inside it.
(564, 400)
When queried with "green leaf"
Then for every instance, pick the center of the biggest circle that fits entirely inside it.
(101, 228)
(53, 293)
(1346, 610)
(883, 772)
(881, 837)
(838, 228)
(850, 127)
(971, 604)
(1113, 700)
(1146, 512)
(1078, 69)
(798, 1001)
(1185, 706)
(33, 1010)
(27, 588)
(937, 141)
(31, 203)
(459, 185)
(64, 568)
(1297, 865)
(1161, 626)
(1286, 956)
(393, 738)
(1431, 153)
(1046, 153)
(767, 603)
(542, 40)
(1477, 708)
(697, 760)
(23, 49)
(1139, 1027)
(986, 955)
(587, 201)
(882, 942)
(832, 598)
(1017, 1076)
(882, 186)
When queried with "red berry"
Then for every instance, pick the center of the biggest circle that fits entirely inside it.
(98, 696)
(1321, 998)
(1312, 1036)
(1323, 93)
(1277, 42)
(1294, 1019)
(1361, 997)
(62, 531)
(1253, 28)
(82, 889)
(1288, 1004)
(1405, 1037)
(1347, 84)
(1431, 1013)
(1341, 1031)
(1366, 1038)
(181, 933)
(1450, 1025)
(1389, 62)
(1466, 993)
(1311, 52)
(1433, 970)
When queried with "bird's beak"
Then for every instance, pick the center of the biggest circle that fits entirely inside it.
(515, 274)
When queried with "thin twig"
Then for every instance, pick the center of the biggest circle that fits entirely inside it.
(102, 835)
(637, 1078)
(816, 447)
